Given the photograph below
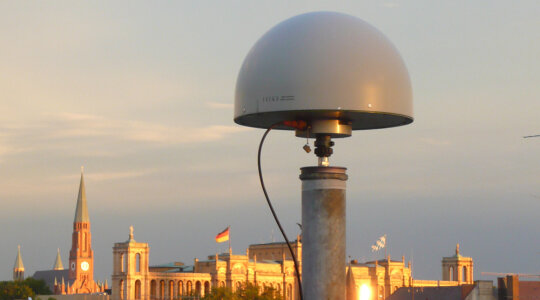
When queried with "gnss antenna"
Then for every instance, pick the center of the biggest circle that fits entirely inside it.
(323, 75)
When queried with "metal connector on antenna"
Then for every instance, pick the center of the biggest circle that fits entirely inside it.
(324, 162)
(323, 149)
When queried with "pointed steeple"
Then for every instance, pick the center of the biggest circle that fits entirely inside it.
(18, 268)
(18, 261)
(58, 262)
(81, 212)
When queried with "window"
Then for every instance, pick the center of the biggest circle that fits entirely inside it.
(180, 288)
(122, 263)
(121, 288)
(153, 289)
(138, 289)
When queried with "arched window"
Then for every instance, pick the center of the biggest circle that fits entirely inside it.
(171, 289)
(189, 288)
(138, 289)
(198, 288)
(138, 262)
(153, 289)
(180, 288)
(121, 289)
(162, 289)
(206, 288)
(289, 291)
(222, 284)
(122, 263)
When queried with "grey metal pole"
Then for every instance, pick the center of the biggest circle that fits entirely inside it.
(323, 232)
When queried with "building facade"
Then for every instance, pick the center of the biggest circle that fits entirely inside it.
(133, 278)
(264, 265)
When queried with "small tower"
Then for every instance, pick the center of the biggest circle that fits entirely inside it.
(458, 268)
(130, 268)
(58, 262)
(18, 268)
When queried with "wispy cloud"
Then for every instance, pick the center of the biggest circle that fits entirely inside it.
(107, 176)
(93, 135)
(69, 125)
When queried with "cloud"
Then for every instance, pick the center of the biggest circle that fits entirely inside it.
(87, 135)
(7, 147)
(218, 105)
(69, 125)
(107, 176)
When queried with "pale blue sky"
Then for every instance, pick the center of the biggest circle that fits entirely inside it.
(141, 94)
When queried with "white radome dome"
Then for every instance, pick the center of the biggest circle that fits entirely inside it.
(323, 65)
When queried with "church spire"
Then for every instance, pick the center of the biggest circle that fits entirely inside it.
(18, 268)
(18, 260)
(81, 212)
(58, 262)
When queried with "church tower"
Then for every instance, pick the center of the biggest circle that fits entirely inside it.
(81, 256)
(130, 269)
(458, 268)
(18, 268)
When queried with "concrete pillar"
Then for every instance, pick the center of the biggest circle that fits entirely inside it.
(323, 232)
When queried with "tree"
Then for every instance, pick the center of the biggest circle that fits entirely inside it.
(220, 293)
(38, 286)
(10, 290)
(245, 292)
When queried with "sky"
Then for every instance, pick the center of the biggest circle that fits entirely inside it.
(141, 94)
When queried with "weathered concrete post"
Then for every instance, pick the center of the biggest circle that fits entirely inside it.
(323, 232)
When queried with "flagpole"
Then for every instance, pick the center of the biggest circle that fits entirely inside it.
(230, 249)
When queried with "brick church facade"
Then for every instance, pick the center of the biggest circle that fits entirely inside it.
(79, 277)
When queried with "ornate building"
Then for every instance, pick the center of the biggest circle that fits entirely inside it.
(457, 268)
(79, 278)
(265, 265)
(133, 278)
(18, 268)
(81, 256)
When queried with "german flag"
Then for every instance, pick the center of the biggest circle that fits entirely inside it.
(223, 236)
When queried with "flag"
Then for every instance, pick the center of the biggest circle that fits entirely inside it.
(379, 244)
(223, 236)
